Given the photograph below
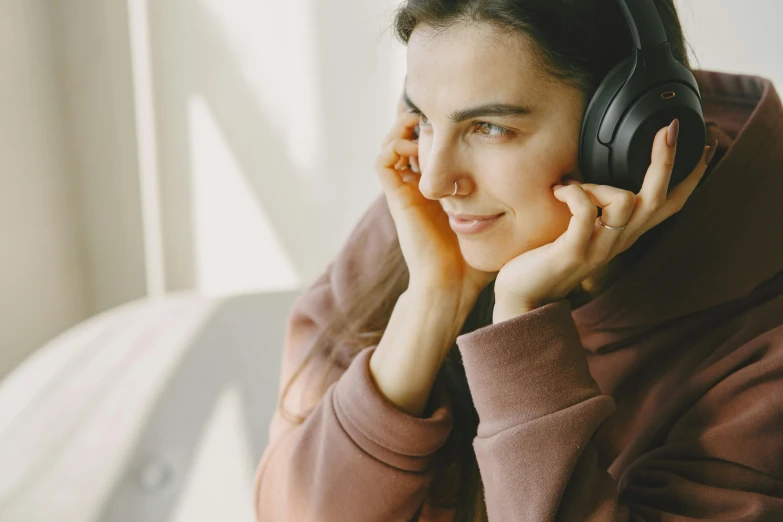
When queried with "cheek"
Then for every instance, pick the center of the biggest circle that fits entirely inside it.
(523, 179)
(534, 225)
(538, 216)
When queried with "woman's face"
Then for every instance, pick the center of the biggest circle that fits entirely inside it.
(502, 162)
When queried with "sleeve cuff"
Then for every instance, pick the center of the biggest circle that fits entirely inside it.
(383, 431)
(526, 367)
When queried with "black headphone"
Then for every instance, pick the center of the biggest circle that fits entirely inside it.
(638, 97)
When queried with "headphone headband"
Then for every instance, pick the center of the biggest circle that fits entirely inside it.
(644, 22)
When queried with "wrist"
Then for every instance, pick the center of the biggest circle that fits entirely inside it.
(450, 306)
(500, 315)
(421, 330)
(503, 310)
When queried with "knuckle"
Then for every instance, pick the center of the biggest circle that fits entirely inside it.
(628, 199)
(586, 211)
(384, 159)
(588, 216)
(627, 203)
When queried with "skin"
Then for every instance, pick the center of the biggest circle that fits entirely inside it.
(472, 65)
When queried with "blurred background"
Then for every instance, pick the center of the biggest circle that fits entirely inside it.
(173, 173)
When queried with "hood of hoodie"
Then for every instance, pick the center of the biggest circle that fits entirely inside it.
(728, 238)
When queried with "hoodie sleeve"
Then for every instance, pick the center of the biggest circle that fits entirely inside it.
(355, 456)
(539, 406)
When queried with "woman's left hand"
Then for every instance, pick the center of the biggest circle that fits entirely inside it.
(549, 273)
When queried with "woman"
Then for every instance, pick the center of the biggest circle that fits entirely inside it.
(543, 365)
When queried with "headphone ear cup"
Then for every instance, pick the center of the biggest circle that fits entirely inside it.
(595, 157)
(656, 109)
(624, 161)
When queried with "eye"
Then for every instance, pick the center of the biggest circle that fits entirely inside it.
(492, 131)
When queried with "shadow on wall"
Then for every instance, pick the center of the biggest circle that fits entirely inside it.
(193, 56)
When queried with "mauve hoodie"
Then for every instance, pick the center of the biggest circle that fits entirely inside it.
(661, 399)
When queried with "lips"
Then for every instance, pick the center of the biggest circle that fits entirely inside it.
(472, 217)
(473, 226)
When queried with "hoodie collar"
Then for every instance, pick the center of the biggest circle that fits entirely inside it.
(726, 240)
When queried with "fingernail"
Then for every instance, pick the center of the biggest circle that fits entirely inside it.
(557, 187)
(673, 133)
(711, 152)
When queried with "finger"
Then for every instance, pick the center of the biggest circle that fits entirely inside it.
(680, 194)
(406, 161)
(617, 205)
(393, 151)
(577, 237)
(656, 180)
(402, 127)
(414, 162)
(617, 208)
(409, 176)
(390, 177)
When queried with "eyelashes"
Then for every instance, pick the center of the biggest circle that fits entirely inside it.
(502, 132)
(496, 132)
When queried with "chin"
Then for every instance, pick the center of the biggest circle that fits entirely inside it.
(482, 259)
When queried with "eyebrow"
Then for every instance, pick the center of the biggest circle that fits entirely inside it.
(503, 110)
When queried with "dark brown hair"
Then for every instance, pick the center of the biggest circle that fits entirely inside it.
(578, 42)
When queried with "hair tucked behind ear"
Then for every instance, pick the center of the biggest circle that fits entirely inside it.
(578, 42)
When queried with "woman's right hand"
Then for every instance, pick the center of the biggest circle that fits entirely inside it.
(429, 245)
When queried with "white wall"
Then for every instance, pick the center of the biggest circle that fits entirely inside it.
(42, 271)
(739, 37)
(93, 51)
(72, 242)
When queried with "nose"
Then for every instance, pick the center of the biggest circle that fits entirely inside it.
(439, 172)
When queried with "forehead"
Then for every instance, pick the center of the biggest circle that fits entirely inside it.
(473, 62)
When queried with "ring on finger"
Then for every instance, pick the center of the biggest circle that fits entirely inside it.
(611, 228)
